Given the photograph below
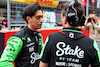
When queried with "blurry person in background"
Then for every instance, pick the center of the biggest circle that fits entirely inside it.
(70, 47)
(1, 23)
(5, 23)
(21, 27)
(93, 25)
(24, 47)
(12, 20)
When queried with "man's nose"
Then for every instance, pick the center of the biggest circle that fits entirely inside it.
(41, 19)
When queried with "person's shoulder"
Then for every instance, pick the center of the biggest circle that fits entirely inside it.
(54, 34)
(20, 33)
(88, 38)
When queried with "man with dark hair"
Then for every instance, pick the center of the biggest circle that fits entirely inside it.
(24, 47)
(70, 47)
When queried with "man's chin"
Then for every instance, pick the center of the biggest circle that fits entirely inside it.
(39, 28)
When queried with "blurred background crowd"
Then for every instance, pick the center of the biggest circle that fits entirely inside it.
(11, 12)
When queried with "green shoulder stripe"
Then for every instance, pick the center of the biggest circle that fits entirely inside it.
(43, 48)
(42, 42)
(97, 48)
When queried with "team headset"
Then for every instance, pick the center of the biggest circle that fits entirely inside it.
(72, 17)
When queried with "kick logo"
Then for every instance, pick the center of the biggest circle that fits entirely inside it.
(66, 50)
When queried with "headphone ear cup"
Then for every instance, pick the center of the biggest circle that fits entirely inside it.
(72, 19)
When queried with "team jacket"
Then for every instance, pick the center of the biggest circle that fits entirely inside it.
(23, 48)
(70, 48)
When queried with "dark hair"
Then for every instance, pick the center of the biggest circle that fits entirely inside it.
(77, 6)
(30, 10)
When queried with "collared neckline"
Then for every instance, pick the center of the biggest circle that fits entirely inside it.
(31, 31)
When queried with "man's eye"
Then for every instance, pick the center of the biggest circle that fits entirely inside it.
(38, 17)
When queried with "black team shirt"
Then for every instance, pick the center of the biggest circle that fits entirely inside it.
(70, 48)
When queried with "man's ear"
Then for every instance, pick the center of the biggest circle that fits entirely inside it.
(28, 18)
(64, 19)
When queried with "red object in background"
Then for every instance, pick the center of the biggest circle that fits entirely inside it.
(93, 1)
(44, 32)
(47, 32)
(5, 23)
(86, 32)
(83, 2)
(93, 4)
